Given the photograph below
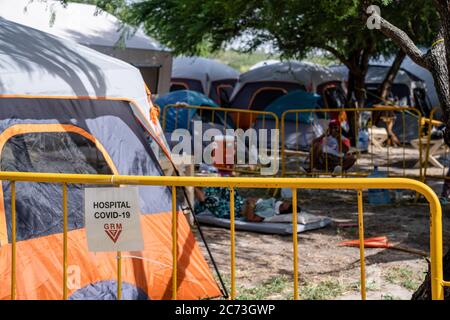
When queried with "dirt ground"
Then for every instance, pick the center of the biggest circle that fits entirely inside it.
(264, 263)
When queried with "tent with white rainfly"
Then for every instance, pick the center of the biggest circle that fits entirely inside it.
(65, 108)
(98, 30)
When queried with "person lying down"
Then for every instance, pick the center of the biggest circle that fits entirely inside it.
(217, 201)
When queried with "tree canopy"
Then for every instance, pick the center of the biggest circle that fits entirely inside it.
(293, 27)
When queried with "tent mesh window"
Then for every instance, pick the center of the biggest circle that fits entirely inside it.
(55, 152)
(39, 205)
(178, 87)
(265, 97)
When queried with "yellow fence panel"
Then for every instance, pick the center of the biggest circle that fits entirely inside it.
(436, 161)
(358, 184)
(179, 117)
(299, 129)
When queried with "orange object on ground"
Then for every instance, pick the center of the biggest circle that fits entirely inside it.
(381, 242)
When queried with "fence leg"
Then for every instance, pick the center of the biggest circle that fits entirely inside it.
(174, 244)
(13, 240)
(119, 275)
(233, 246)
(65, 230)
(295, 241)
(361, 245)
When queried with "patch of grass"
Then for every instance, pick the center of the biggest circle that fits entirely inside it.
(371, 285)
(404, 277)
(275, 286)
(324, 290)
(388, 297)
(348, 233)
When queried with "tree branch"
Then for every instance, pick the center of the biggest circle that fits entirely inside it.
(340, 56)
(403, 41)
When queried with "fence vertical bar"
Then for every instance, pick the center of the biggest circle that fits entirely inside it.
(174, 243)
(419, 135)
(295, 240)
(13, 240)
(361, 245)
(404, 142)
(296, 140)
(65, 251)
(341, 150)
(176, 118)
(119, 275)
(225, 119)
(164, 114)
(428, 141)
(283, 147)
(371, 137)
(436, 248)
(233, 245)
(357, 125)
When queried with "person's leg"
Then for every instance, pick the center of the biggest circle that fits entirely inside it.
(349, 161)
(315, 156)
(248, 211)
(446, 186)
(333, 162)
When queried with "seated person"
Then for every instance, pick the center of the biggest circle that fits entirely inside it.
(330, 151)
(217, 201)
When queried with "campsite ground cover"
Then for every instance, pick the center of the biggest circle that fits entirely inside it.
(326, 270)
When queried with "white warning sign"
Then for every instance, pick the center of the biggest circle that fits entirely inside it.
(112, 218)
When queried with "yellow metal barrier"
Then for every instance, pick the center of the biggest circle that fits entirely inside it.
(241, 119)
(309, 153)
(358, 184)
(14, 241)
(429, 123)
(361, 245)
(174, 243)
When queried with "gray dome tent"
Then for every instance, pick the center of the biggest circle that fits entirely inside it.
(408, 88)
(259, 87)
(206, 76)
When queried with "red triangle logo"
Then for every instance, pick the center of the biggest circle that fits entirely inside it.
(113, 234)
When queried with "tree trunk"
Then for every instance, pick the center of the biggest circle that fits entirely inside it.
(385, 87)
(437, 61)
(356, 98)
(424, 291)
(360, 88)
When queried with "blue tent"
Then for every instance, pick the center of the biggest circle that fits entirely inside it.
(179, 118)
(297, 99)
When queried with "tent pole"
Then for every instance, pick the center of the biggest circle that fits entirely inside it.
(202, 236)
(223, 289)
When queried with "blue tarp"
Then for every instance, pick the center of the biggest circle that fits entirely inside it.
(178, 118)
(295, 100)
